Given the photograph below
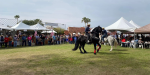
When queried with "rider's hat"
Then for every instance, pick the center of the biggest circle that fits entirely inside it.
(88, 24)
(103, 28)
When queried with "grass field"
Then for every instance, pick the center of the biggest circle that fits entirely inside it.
(61, 60)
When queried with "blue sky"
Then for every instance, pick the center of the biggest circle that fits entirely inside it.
(71, 12)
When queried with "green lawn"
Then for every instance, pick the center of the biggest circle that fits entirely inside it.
(61, 60)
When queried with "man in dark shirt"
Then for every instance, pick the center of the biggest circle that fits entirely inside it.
(43, 38)
(104, 34)
(87, 31)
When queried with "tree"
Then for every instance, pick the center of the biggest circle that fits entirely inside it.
(16, 17)
(59, 30)
(88, 20)
(33, 22)
(84, 19)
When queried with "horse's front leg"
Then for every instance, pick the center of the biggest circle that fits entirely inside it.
(111, 48)
(98, 47)
(95, 48)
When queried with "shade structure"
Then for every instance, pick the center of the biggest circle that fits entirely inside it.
(134, 24)
(121, 25)
(4, 27)
(21, 26)
(49, 31)
(144, 29)
(38, 27)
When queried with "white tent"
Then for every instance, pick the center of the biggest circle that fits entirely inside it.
(134, 24)
(21, 26)
(4, 27)
(49, 31)
(121, 25)
(38, 27)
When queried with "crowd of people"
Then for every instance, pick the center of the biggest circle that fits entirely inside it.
(38, 39)
(138, 40)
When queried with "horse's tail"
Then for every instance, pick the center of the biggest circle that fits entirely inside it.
(76, 45)
(115, 43)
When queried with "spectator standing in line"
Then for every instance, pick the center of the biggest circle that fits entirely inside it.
(75, 39)
(37, 37)
(43, 38)
(29, 40)
(50, 40)
(58, 39)
(23, 40)
(15, 41)
(54, 39)
(0, 41)
(10, 41)
(6, 40)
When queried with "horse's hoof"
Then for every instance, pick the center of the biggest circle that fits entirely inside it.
(81, 52)
(85, 52)
(94, 53)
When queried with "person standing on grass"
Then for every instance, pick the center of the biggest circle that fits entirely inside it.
(54, 39)
(29, 40)
(37, 37)
(75, 39)
(24, 39)
(15, 41)
(6, 40)
(0, 41)
(43, 38)
(10, 41)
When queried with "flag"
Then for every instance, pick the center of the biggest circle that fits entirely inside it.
(35, 33)
(52, 33)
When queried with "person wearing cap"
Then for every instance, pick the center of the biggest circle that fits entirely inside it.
(15, 41)
(104, 33)
(87, 31)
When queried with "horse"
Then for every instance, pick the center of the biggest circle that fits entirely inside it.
(94, 36)
(111, 40)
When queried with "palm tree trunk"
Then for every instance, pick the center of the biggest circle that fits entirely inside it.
(17, 20)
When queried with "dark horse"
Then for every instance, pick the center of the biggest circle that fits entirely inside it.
(94, 39)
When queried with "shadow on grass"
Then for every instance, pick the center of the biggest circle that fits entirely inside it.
(120, 50)
(109, 53)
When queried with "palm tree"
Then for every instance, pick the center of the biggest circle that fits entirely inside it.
(16, 17)
(88, 20)
(84, 19)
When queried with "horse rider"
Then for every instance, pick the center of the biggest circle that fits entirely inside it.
(104, 34)
(87, 31)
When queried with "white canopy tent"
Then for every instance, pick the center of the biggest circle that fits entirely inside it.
(38, 27)
(49, 31)
(21, 26)
(121, 25)
(4, 27)
(134, 24)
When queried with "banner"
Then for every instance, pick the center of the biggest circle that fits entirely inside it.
(35, 33)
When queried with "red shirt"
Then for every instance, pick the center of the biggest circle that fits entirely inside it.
(6, 39)
(123, 40)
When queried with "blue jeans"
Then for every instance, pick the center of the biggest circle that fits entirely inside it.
(29, 43)
(75, 41)
(43, 40)
(37, 42)
(15, 43)
(103, 37)
(10, 43)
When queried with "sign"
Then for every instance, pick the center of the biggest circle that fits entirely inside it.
(25, 30)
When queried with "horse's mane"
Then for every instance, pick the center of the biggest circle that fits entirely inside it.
(96, 29)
